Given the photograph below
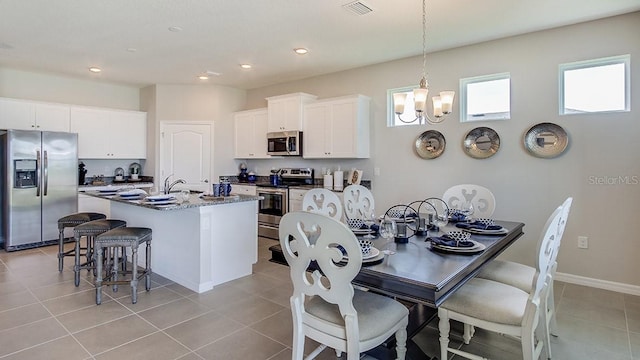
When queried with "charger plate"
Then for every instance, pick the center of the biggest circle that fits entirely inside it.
(546, 140)
(481, 143)
(430, 144)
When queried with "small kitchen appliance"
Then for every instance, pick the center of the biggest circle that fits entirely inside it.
(243, 176)
(285, 143)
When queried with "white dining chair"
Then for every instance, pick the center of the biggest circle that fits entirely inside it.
(323, 201)
(481, 198)
(522, 276)
(502, 308)
(358, 202)
(325, 306)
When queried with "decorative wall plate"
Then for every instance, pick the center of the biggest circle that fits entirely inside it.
(481, 143)
(430, 144)
(546, 140)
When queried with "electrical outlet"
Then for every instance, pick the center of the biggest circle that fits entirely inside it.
(583, 242)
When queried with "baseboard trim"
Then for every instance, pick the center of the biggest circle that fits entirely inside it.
(597, 283)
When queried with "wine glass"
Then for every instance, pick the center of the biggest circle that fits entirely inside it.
(369, 218)
(441, 219)
(388, 230)
(467, 209)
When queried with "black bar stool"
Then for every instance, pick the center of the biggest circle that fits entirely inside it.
(126, 237)
(91, 229)
(72, 221)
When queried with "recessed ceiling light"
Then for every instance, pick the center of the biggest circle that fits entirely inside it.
(94, 69)
(175, 28)
(245, 66)
(203, 77)
(301, 51)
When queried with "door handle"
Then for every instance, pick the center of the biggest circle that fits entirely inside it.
(38, 173)
(206, 181)
(46, 173)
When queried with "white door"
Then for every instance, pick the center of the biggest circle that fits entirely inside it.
(185, 152)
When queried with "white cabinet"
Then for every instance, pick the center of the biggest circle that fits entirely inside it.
(251, 134)
(109, 134)
(32, 115)
(237, 189)
(88, 203)
(337, 128)
(287, 111)
(295, 199)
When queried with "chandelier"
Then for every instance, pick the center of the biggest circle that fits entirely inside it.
(441, 104)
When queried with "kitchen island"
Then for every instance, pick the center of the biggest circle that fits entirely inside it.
(197, 243)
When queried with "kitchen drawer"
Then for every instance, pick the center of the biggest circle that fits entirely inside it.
(243, 189)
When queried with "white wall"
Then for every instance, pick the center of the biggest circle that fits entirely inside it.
(67, 90)
(210, 103)
(527, 189)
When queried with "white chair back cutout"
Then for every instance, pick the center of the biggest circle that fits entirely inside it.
(324, 202)
(482, 199)
(358, 201)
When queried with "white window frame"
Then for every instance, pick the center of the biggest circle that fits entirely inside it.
(464, 83)
(391, 115)
(612, 60)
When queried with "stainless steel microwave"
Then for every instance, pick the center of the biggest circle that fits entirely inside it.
(287, 143)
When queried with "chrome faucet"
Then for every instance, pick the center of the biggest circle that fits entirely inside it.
(168, 187)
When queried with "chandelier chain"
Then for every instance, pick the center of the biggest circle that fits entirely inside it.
(424, 40)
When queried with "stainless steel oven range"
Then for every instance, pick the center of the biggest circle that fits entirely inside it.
(275, 201)
(272, 207)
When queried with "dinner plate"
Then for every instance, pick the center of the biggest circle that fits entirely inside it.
(130, 197)
(481, 143)
(362, 231)
(546, 140)
(478, 247)
(430, 144)
(501, 231)
(161, 202)
(107, 191)
(159, 198)
(372, 254)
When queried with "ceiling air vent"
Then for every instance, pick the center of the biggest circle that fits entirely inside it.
(358, 8)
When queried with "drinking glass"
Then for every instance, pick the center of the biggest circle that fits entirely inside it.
(184, 194)
(388, 230)
(467, 209)
(441, 219)
(369, 218)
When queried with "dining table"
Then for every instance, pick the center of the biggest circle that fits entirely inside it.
(421, 276)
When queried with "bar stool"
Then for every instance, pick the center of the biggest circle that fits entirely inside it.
(72, 220)
(127, 237)
(91, 229)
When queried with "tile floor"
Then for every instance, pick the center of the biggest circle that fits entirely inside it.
(43, 315)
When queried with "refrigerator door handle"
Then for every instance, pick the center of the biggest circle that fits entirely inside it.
(38, 164)
(46, 173)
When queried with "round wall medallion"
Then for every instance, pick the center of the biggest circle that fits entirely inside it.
(546, 140)
(481, 143)
(430, 144)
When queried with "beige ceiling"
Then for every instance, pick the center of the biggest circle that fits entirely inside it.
(131, 41)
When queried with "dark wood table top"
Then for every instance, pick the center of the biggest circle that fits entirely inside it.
(421, 275)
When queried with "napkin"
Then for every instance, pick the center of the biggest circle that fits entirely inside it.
(447, 241)
(457, 216)
(374, 227)
(478, 226)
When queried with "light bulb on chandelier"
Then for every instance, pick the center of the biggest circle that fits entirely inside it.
(442, 104)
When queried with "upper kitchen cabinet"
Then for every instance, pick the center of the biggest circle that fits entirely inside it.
(109, 134)
(32, 115)
(337, 128)
(251, 134)
(286, 111)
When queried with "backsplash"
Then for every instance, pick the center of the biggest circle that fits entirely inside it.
(107, 168)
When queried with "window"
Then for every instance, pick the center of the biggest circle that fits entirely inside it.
(600, 85)
(409, 107)
(485, 97)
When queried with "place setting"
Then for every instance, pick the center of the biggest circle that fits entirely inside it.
(131, 194)
(482, 227)
(456, 242)
(161, 200)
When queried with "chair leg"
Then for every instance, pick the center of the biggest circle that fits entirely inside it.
(401, 343)
(147, 277)
(134, 275)
(444, 328)
(76, 266)
(61, 250)
(469, 330)
(551, 307)
(99, 253)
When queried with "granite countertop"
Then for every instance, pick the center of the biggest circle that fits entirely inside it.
(194, 201)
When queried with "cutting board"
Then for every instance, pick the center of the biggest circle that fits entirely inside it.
(354, 177)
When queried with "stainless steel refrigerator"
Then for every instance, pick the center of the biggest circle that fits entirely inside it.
(39, 185)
